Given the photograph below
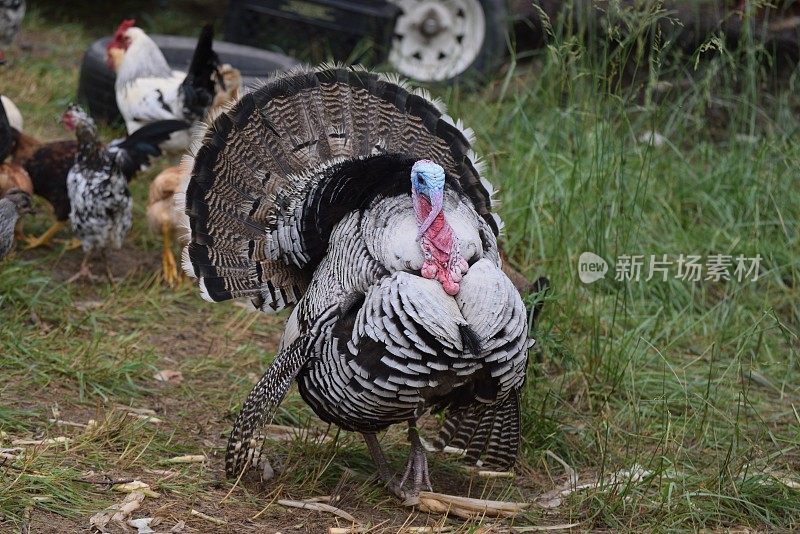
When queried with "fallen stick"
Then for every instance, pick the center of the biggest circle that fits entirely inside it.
(138, 411)
(546, 528)
(136, 485)
(61, 422)
(466, 507)
(48, 441)
(428, 446)
(208, 518)
(146, 418)
(187, 459)
(318, 507)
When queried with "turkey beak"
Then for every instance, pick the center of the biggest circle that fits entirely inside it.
(437, 199)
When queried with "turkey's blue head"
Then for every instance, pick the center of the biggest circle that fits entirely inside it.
(427, 179)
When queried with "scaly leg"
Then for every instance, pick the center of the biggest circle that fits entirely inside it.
(84, 271)
(44, 239)
(109, 274)
(169, 267)
(381, 464)
(416, 468)
(19, 235)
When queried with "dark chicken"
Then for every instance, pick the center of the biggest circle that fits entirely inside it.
(47, 165)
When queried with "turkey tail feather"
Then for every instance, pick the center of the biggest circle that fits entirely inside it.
(487, 433)
(266, 172)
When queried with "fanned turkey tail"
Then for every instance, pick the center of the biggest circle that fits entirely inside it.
(487, 433)
(199, 85)
(272, 175)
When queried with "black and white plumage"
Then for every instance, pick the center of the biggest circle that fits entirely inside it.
(301, 194)
(13, 205)
(11, 14)
(97, 183)
(148, 90)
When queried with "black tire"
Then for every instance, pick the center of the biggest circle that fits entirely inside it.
(492, 51)
(96, 82)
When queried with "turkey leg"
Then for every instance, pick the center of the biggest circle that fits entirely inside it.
(374, 448)
(416, 470)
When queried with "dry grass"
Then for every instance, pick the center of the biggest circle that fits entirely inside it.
(679, 398)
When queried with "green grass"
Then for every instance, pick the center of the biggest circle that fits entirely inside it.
(695, 384)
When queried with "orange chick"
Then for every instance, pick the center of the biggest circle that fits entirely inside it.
(163, 217)
(232, 78)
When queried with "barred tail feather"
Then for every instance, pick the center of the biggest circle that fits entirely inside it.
(490, 434)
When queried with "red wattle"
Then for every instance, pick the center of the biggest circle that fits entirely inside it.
(443, 261)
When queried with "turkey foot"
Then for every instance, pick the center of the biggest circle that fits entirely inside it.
(416, 471)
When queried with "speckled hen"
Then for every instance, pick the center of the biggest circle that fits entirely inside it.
(359, 202)
(97, 183)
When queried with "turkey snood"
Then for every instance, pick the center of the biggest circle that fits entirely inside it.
(443, 261)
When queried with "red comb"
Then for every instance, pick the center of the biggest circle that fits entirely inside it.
(116, 40)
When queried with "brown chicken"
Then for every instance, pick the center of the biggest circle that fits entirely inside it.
(47, 164)
(164, 218)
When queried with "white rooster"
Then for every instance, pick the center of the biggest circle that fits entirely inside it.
(148, 90)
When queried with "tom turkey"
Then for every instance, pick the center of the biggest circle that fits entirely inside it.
(356, 200)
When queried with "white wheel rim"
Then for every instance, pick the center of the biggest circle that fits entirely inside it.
(436, 40)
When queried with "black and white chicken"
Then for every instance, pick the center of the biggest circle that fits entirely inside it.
(97, 183)
(148, 90)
